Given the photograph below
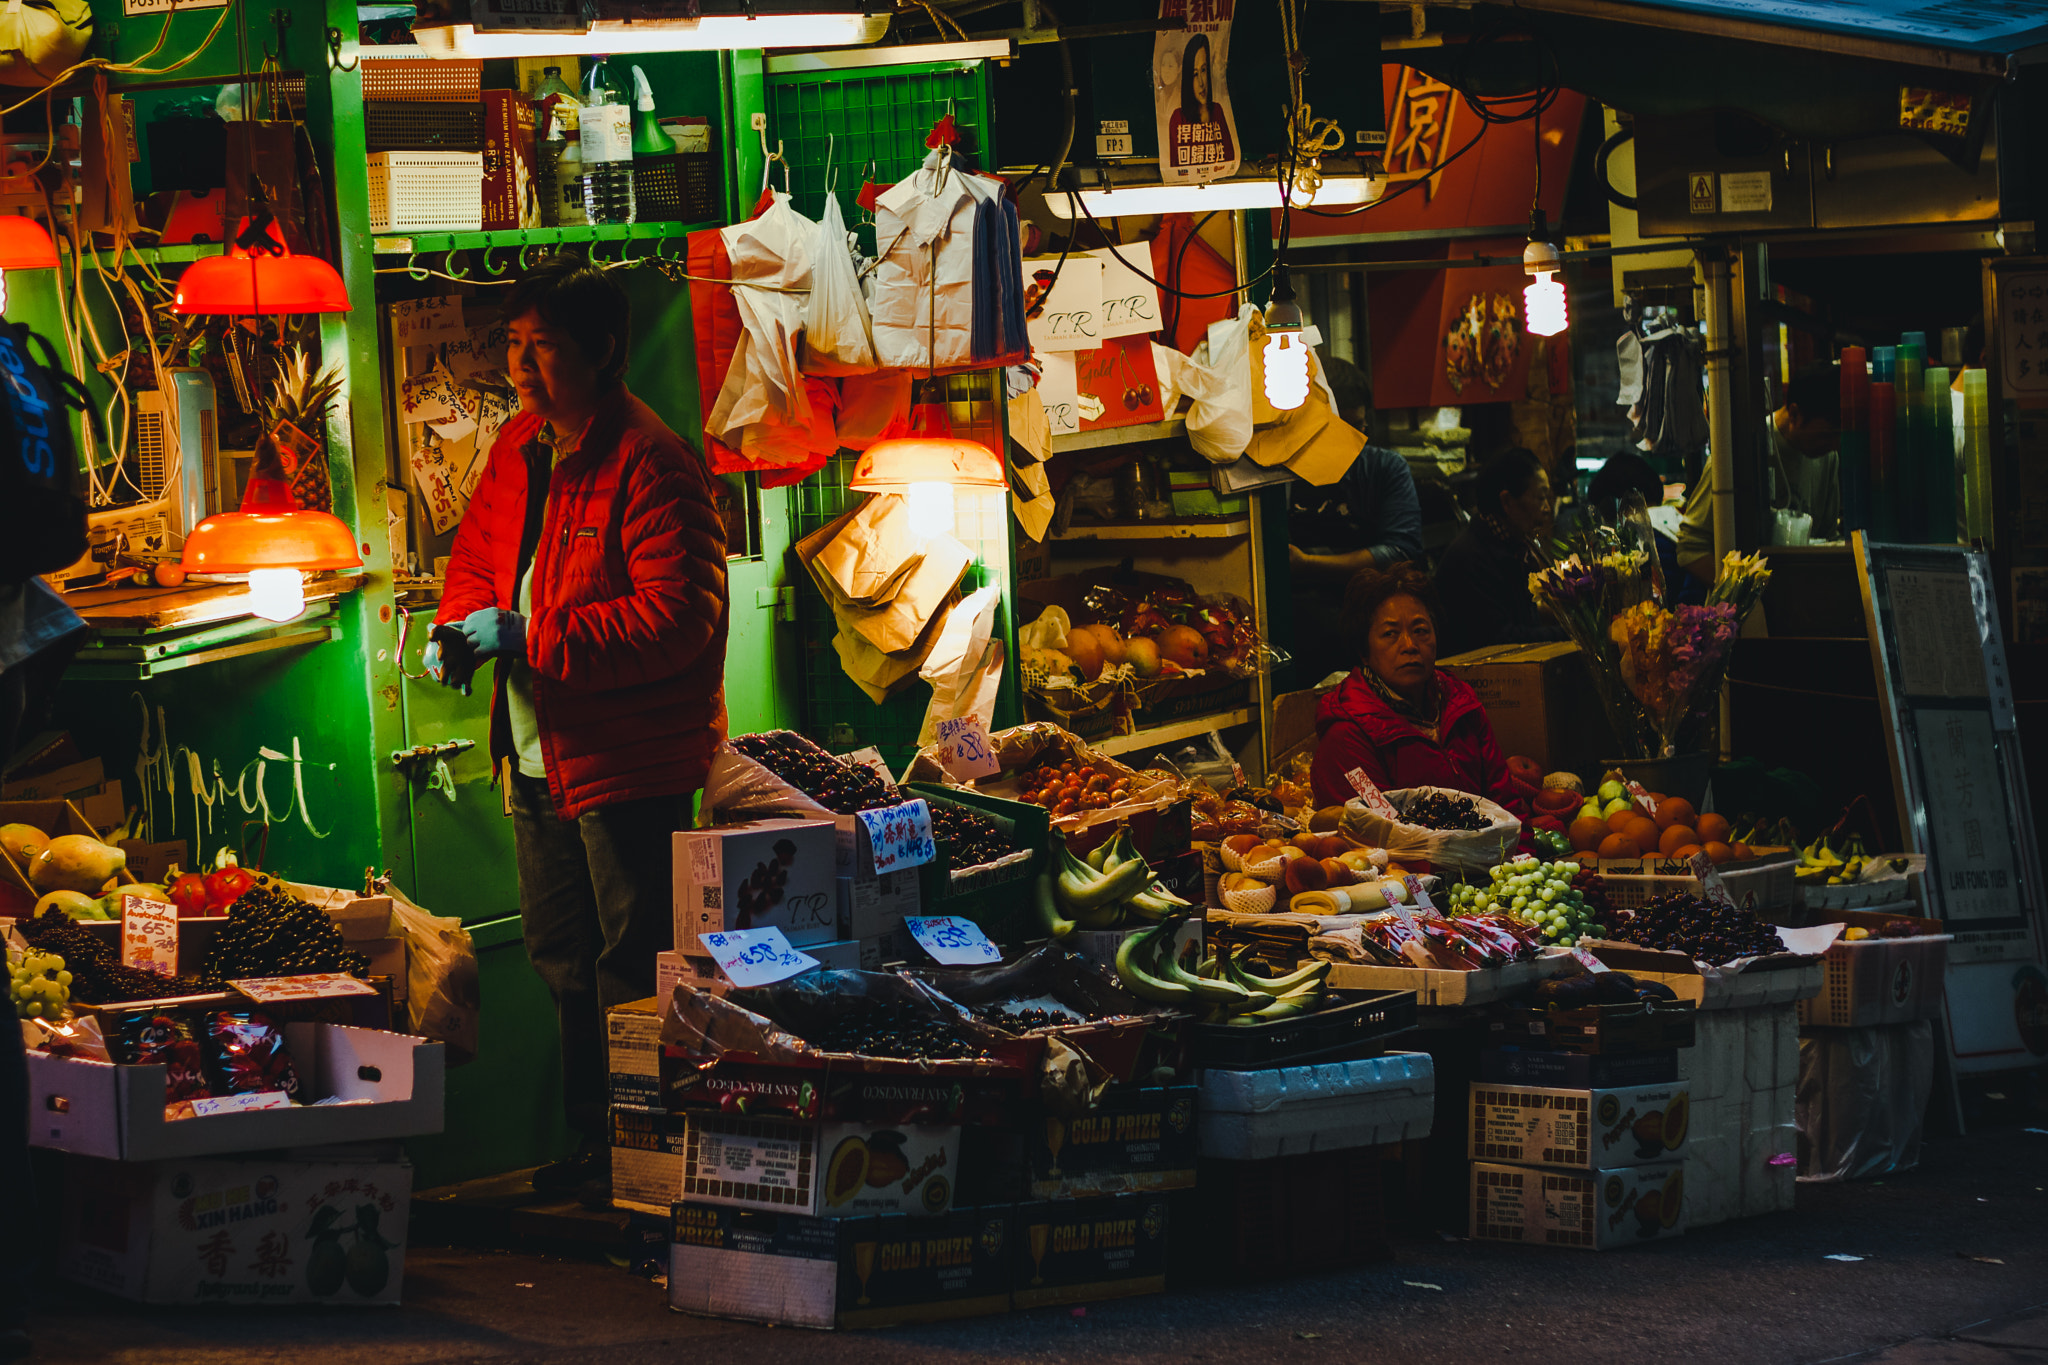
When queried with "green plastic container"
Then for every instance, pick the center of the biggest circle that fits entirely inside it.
(997, 898)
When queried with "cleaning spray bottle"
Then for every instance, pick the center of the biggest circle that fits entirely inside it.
(648, 139)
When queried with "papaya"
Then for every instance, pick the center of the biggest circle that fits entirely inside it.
(1671, 1202)
(1677, 1118)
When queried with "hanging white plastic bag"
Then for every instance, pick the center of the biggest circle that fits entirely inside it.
(1218, 383)
(837, 338)
(763, 383)
(443, 994)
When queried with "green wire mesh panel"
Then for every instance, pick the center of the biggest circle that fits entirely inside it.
(836, 712)
(883, 117)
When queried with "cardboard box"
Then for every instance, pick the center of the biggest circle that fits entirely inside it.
(1604, 1030)
(1583, 1129)
(253, 1230)
(387, 958)
(117, 1112)
(510, 200)
(647, 1160)
(879, 1099)
(1541, 702)
(633, 1053)
(725, 878)
(151, 863)
(873, 906)
(359, 917)
(1592, 1210)
(1579, 1070)
(796, 1271)
(73, 780)
(1135, 1140)
(17, 895)
(1782, 978)
(1442, 989)
(1083, 1250)
(825, 1169)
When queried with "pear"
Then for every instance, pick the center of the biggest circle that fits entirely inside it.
(1611, 791)
(75, 904)
(23, 842)
(1591, 810)
(72, 862)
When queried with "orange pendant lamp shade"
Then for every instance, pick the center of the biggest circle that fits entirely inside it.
(268, 281)
(271, 542)
(927, 453)
(25, 244)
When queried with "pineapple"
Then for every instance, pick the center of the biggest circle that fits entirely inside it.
(300, 400)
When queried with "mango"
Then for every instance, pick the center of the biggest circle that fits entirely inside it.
(73, 862)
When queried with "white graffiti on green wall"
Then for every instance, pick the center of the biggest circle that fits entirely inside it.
(158, 763)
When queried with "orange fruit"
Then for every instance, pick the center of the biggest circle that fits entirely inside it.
(1619, 820)
(1618, 846)
(1674, 811)
(1713, 828)
(1306, 874)
(1718, 852)
(1674, 838)
(1743, 852)
(1686, 851)
(1641, 831)
(1587, 831)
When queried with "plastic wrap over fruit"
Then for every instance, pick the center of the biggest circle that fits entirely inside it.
(780, 773)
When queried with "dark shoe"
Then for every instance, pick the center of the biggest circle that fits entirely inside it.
(571, 1173)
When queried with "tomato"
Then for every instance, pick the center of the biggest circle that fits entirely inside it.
(225, 885)
(189, 894)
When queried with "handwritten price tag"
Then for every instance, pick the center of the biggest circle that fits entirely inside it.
(1588, 961)
(1416, 895)
(964, 748)
(149, 935)
(952, 940)
(756, 957)
(240, 1104)
(1642, 799)
(1711, 885)
(428, 322)
(1369, 792)
(901, 836)
(273, 990)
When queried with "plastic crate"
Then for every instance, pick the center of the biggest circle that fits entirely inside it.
(421, 78)
(423, 126)
(426, 192)
(996, 897)
(1601, 1029)
(1287, 1215)
(1772, 884)
(1879, 981)
(1347, 1028)
(681, 187)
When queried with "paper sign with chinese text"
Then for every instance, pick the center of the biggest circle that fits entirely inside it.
(1369, 792)
(273, 990)
(900, 835)
(756, 957)
(952, 940)
(149, 935)
(965, 751)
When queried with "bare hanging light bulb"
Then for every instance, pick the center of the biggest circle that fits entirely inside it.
(1285, 359)
(1543, 300)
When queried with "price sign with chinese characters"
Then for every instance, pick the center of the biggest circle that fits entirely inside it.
(964, 748)
(1588, 961)
(952, 940)
(901, 836)
(756, 957)
(1369, 792)
(1711, 885)
(149, 935)
(1416, 895)
(273, 990)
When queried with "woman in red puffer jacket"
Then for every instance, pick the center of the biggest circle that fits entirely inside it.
(1397, 718)
(591, 566)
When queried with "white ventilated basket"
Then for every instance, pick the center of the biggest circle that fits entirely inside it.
(426, 192)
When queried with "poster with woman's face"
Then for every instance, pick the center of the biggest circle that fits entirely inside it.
(1197, 134)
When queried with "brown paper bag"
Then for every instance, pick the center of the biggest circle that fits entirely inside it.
(865, 561)
(895, 627)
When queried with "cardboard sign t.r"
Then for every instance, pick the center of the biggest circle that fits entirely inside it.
(149, 935)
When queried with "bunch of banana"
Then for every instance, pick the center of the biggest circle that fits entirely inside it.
(1148, 964)
(1111, 887)
(1852, 869)
(1818, 862)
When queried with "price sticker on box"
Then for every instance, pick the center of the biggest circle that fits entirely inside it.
(1369, 792)
(965, 750)
(149, 935)
(901, 836)
(756, 957)
(276, 990)
(952, 940)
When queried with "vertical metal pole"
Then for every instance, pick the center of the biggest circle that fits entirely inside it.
(1720, 400)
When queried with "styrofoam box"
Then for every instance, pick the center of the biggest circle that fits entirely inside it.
(1292, 1110)
(237, 1232)
(387, 1085)
(1742, 1072)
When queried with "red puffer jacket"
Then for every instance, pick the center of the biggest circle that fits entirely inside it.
(627, 633)
(1356, 728)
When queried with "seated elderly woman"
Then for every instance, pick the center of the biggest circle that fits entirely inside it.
(1397, 718)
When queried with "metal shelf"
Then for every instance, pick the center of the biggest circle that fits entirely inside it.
(138, 658)
(183, 253)
(1171, 732)
(1120, 436)
(422, 243)
(1161, 530)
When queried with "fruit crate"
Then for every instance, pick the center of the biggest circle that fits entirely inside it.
(1286, 1215)
(423, 126)
(426, 192)
(998, 896)
(1879, 980)
(1600, 1028)
(1771, 883)
(1346, 1027)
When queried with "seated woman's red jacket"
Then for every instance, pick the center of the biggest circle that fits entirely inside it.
(1356, 728)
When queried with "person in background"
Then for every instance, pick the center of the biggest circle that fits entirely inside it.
(1805, 469)
(591, 566)
(1631, 473)
(1483, 580)
(1397, 717)
(1368, 519)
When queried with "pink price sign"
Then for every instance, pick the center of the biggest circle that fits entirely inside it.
(149, 935)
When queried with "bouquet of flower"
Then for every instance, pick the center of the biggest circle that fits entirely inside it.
(1655, 666)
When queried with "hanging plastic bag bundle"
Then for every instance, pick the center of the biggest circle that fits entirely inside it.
(1218, 380)
(837, 337)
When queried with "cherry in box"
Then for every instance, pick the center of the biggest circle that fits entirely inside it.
(765, 874)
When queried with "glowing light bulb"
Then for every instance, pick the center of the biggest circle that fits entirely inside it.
(1286, 366)
(931, 509)
(277, 594)
(1544, 304)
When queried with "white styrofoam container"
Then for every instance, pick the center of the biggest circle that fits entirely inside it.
(1329, 1106)
(1742, 1071)
(389, 1085)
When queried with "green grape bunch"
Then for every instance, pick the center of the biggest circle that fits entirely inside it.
(39, 986)
(1544, 895)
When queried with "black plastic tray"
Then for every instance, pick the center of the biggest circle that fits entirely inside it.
(1362, 1019)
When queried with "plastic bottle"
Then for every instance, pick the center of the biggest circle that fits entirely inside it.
(648, 139)
(558, 107)
(569, 205)
(607, 145)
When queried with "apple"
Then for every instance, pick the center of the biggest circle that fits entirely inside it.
(1142, 654)
(1527, 769)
